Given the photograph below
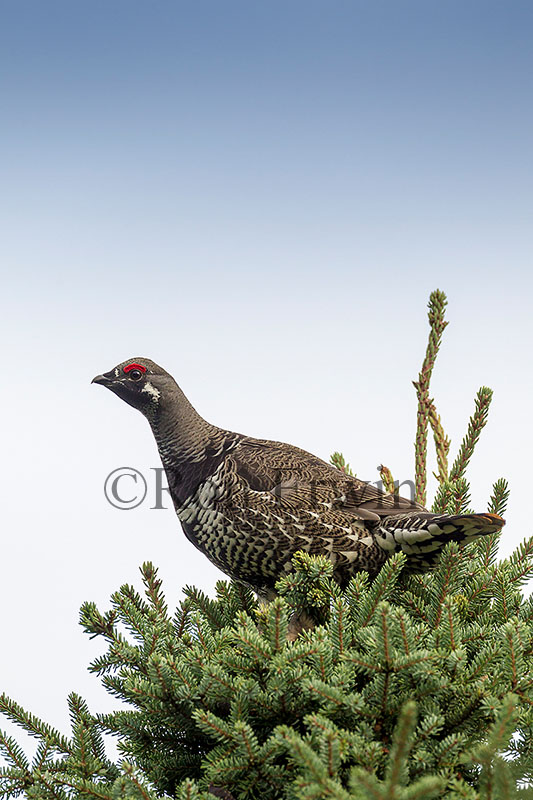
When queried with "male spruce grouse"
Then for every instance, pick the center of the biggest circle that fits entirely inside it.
(250, 504)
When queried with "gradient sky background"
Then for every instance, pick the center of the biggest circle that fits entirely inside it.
(260, 197)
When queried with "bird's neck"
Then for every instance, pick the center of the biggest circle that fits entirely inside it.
(187, 444)
(180, 432)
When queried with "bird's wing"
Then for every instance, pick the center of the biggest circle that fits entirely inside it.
(299, 479)
(277, 500)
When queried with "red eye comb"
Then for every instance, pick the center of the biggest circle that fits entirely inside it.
(134, 366)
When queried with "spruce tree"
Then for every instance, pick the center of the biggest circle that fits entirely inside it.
(408, 686)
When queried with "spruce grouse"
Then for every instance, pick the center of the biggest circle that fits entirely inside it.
(250, 504)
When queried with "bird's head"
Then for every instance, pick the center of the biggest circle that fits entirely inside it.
(139, 382)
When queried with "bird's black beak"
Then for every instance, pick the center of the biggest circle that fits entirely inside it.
(102, 379)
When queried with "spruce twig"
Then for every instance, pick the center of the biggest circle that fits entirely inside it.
(33, 725)
(437, 305)
(477, 422)
(499, 498)
(442, 443)
(397, 770)
(460, 496)
(443, 498)
(337, 459)
(386, 477)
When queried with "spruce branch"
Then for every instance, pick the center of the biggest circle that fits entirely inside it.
(381, 589)
(153, 588)
(519, 565)
(397, 771)
(304, 756)
(452, 497)
(460, 496)
(499, 498)
(443, 498)
(366, 785)
(276, 624)
(236, 708)
(12, 752)
(437, 306)
(33, 725)
(447, 577)
(189, 790)
(496, 782)
(135, 786)
(476, 424)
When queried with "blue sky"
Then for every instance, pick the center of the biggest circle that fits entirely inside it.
(259, 196)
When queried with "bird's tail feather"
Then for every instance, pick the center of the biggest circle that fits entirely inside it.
(421, 536)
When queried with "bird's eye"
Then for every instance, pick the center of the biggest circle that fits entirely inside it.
(135, 374)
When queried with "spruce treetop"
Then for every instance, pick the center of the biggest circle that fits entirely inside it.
(403, 686)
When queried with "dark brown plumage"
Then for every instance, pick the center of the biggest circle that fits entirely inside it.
(250, 504)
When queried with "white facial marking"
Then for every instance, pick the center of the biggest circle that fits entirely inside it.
(150, 389)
